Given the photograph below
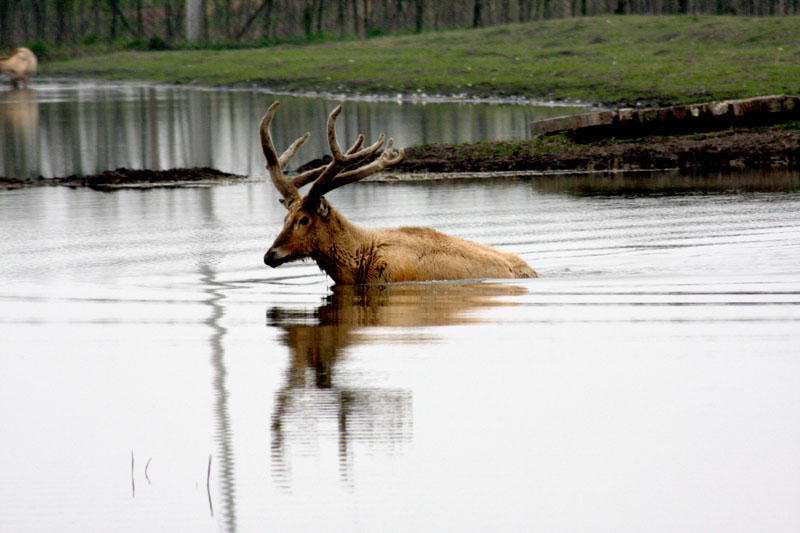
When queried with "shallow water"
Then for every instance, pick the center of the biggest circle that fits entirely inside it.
(156, 376)
(66, 128)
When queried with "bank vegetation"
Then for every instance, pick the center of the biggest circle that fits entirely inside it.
(616, 60)
(163, 24)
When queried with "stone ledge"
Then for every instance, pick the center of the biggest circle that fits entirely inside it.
(629, 122)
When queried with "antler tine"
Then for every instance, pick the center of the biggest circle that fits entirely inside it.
(388, 158)
(352, 155)
(356, 145)
(333, 142)
(307, 177)
(289, 153)
(274, 163)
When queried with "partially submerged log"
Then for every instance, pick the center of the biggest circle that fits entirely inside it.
(711, 116)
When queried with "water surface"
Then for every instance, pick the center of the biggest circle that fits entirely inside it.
(66, 128)
(156, 376)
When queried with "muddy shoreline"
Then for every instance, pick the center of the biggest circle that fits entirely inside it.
(776, 148)
(766, 148)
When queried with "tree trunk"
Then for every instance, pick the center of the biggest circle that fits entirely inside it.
(168, 31)
(266, 4)
(226, 17)
(524, 10)
(477, 12)
(115, 12)
(194, 20)
(6, 21)
(366, 23)
(354, 5)
(505, 11)
(268, 19)
(62, 8)
(139, 23)
(419, 15)
(39, 12)
(308, 11)
(320, 12)
(112, 31)
(96, 18)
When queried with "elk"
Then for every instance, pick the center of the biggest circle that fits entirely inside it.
(19, 66)
(351, 254)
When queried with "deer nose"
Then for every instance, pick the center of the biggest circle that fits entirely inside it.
(269, 258)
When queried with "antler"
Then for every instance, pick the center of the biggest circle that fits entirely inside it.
(276, 164)
(310, 175)
(331, 177)
(326, 177)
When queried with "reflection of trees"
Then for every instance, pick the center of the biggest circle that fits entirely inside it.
(87, 129)
(318, 339)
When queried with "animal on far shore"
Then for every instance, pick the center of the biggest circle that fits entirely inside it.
(19, 66)
(351, 254)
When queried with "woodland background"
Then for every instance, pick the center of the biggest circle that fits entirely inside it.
(161, 24)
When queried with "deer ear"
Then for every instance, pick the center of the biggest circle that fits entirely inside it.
(323, 208)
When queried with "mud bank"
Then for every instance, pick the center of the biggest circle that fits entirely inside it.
(124, 178)
(729, 150)
(776, 148)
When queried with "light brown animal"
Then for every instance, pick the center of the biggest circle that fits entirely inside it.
(19, 66)
(352, 254)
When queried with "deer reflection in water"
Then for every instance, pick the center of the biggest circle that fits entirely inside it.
(318, 340)
(19, 127)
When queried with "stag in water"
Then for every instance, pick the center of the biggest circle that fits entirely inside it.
(351, 254)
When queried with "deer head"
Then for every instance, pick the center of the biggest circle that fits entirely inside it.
(310, 221)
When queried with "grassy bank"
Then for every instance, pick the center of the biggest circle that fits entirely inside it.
(608, 60)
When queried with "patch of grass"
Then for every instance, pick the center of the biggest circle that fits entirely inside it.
(609, 60)
(503, 149)
(498, 150)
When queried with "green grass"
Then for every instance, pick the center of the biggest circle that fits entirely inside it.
(602, 60)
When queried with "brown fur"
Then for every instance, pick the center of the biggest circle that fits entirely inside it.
(19, 66)
(350, 254)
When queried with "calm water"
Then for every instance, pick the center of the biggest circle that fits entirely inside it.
(156, 376)
(61, 129)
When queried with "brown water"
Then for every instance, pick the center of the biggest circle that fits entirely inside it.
(66, 128)
(156, 376)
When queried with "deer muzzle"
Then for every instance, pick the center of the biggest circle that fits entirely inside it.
(275, 257)
(270, 259)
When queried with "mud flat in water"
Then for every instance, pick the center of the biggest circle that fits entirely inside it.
(773, 148)
(122, 178)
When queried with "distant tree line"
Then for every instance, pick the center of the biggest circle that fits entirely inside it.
(165, 23)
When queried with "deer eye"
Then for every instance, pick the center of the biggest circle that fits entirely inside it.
(303, 221)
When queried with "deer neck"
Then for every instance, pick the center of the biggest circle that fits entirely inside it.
(346, 251)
